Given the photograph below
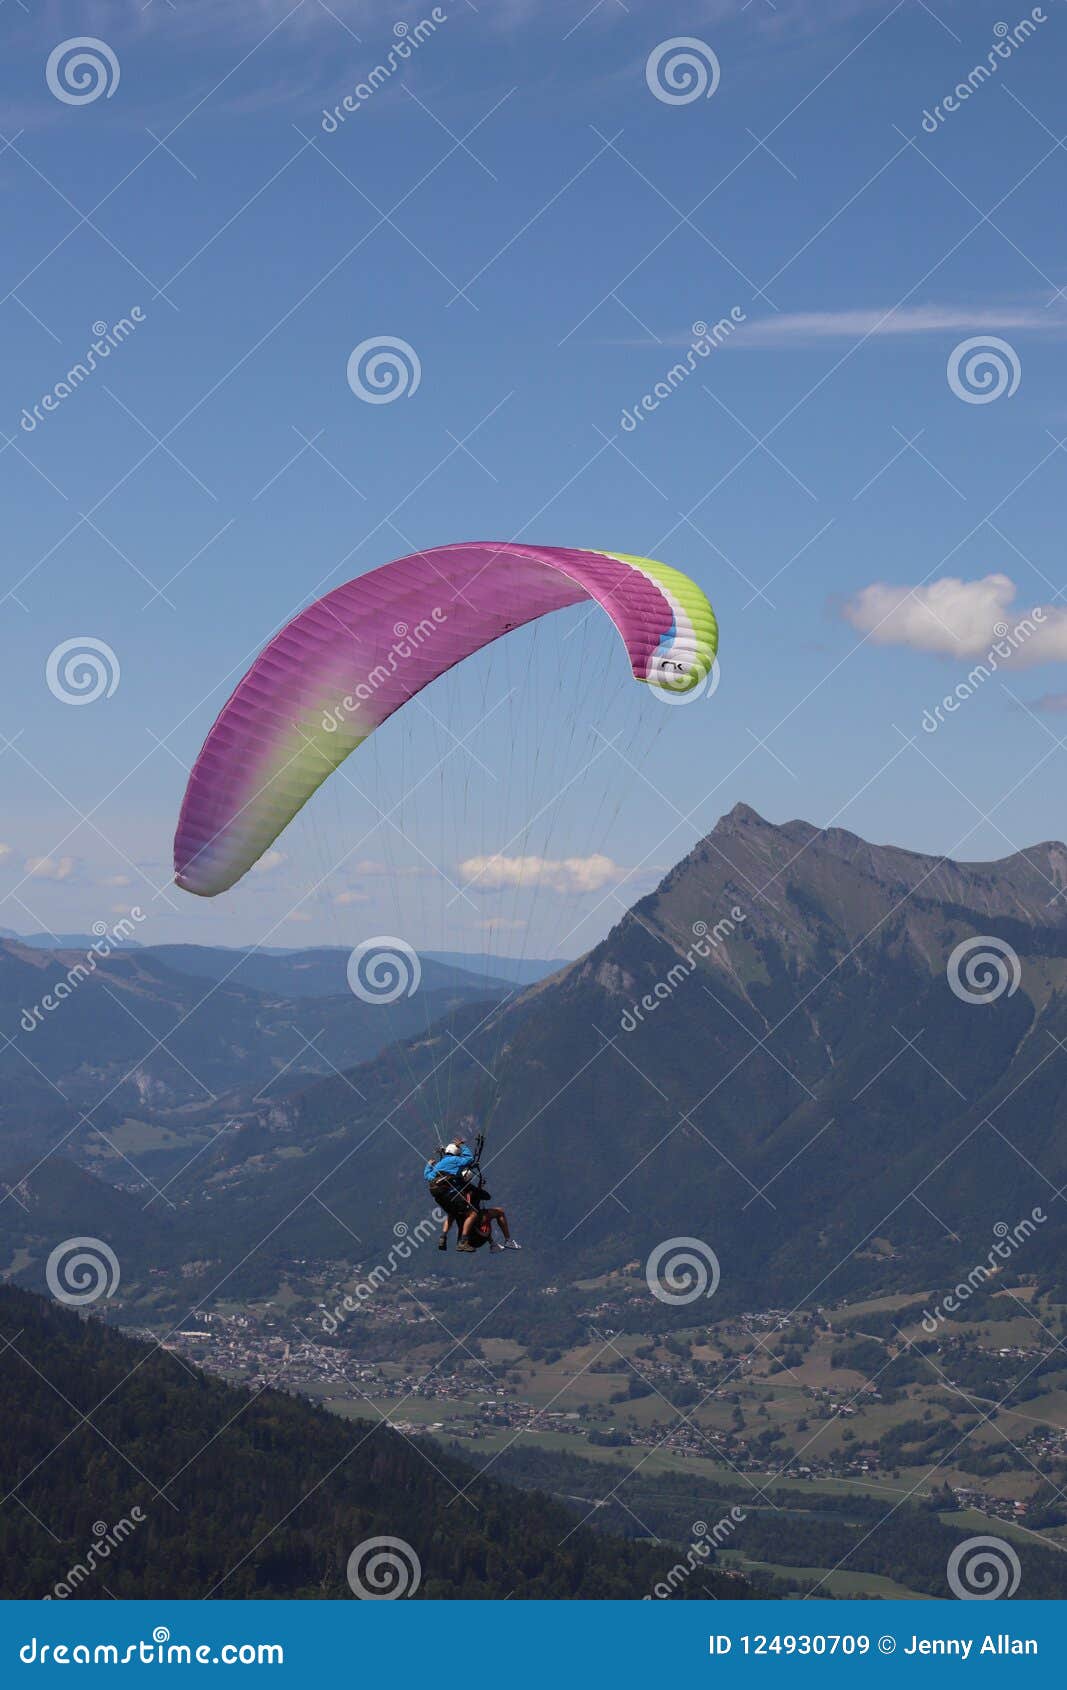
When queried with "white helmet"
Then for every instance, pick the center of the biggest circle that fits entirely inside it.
(453, 1148)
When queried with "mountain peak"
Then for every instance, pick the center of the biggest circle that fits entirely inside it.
(746, 856)
(742, 815)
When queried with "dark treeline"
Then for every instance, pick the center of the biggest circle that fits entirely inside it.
(192, 1488)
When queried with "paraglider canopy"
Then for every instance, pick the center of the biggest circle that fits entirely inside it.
(344, 665)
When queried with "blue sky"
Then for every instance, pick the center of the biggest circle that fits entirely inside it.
(517, 204)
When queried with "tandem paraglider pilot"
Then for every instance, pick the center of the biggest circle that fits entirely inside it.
(455, 1182)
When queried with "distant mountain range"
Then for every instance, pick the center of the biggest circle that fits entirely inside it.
(772, 1053)
(187, 1028)
(62, 941)
(316, 971)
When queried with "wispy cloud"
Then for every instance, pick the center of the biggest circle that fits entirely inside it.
(50, 868)
(365, 17)
(373, 868)
(882, 322)
(566, 874)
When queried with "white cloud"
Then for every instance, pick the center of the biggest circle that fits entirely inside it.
(117, 880)
(352, 898)
(5, 850)
(566, 874)
(955, 618)
(269, 861)
(50, 868)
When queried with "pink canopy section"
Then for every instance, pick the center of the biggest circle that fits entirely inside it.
(343, 666)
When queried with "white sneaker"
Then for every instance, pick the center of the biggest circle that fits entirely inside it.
(495, 1247)
(511, 1245)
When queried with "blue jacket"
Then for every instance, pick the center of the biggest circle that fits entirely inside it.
(448, 1165)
